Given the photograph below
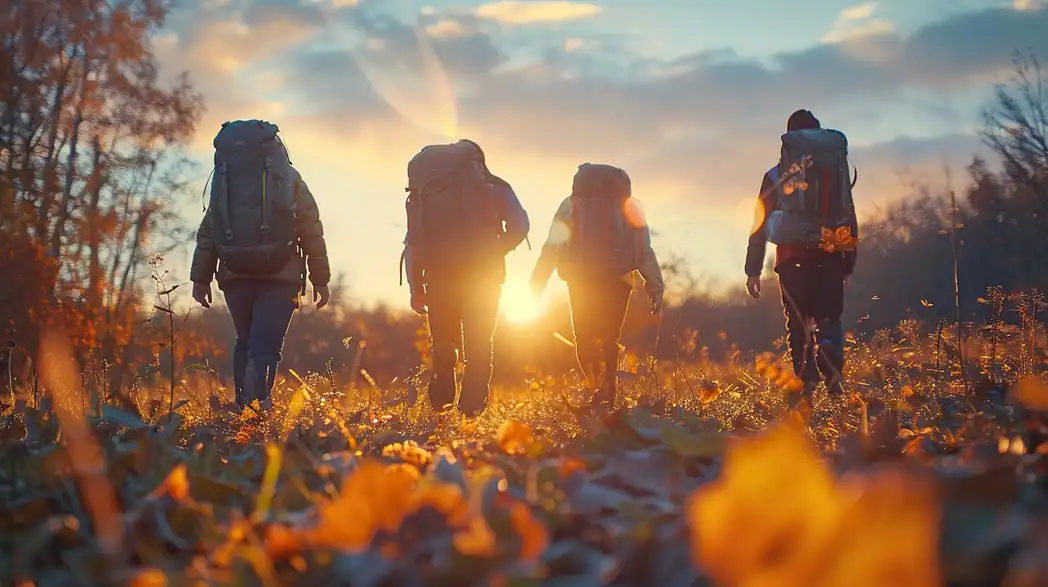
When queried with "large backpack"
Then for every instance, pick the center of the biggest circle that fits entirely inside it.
(452, 214)
(814, 187)
(253, 199)
(602, 240)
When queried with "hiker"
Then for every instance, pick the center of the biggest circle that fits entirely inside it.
(597, 243)
(261, 228)
(462, 222)
(809, 214)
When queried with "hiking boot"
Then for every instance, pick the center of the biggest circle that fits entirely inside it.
(835, 389)
(442, 391)
(473, 404)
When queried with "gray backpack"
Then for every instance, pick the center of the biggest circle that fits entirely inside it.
(602, 241)
(814, 188)
(452, 212)
(253, 199)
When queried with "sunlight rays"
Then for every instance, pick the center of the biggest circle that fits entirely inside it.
(518, 304)
(426, 99)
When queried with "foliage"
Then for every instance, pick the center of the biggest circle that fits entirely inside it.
(699, 480)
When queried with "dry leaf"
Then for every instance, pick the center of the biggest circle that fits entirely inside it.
(533, 534)
(476, 540)
(840, 240)
(1032, 392)
(175, 485)
(514, 437)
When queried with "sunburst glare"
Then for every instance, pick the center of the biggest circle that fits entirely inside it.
(417, 87)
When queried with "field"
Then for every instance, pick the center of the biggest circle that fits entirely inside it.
(928, 474)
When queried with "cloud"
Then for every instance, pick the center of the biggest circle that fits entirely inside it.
(857, 22)
(516, 12)
(698, 120)
(696, 131)
(446, 28)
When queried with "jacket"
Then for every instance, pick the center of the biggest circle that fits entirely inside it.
(206, 264)
(767, 199)
(554, 251)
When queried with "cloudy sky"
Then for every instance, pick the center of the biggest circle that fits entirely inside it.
(689, 96)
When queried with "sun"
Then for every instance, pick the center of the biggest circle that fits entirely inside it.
(518, 304)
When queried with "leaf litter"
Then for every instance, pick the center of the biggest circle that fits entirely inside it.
(925, 489)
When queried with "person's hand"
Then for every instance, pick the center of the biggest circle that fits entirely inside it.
(847, 280)
(321, 295)
(202, 294)
(418, 301)
(753, 287)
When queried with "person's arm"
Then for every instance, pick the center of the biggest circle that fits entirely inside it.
(513, 214)
(311, 234)
(648, 262)
(205, 256)
(556, 241)
(758, 242)
(415, 275)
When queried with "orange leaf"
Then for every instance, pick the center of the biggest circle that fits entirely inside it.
(476, 540)
(533, 534)
(176, 485)
(514, 437)
(1032, 393)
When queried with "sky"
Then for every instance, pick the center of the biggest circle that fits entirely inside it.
(689, 96)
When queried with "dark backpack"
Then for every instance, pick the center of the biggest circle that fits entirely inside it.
(814, 187)
(452, 214)
(253, 199)
(602, 240)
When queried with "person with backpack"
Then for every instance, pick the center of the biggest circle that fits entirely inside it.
(260, 231)
(809, 214)
(598, 241)
(462, 222)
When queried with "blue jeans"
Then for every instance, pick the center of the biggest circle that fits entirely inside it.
(261, 312)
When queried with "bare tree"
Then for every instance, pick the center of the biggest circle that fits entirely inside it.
(1016, 125)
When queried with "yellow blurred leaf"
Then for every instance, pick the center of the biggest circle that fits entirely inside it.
(514, 437)
(274, 458)
(175, 485)
(1032, 392)
(769, 515)
(477, 539)
(150, 577)
(778, 517)
(534, 536)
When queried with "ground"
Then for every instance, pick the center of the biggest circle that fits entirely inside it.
(932, 471)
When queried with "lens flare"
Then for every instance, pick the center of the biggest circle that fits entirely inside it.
(518, 304)
(750, 213)
(424, 98)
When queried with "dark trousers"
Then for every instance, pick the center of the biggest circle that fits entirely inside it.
(598, 309)
(462, 318)
(813, 301)
(261, 312)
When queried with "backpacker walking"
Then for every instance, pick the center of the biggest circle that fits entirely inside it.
(260, 231)
(462, 222)
(809, 213)
(598, 242)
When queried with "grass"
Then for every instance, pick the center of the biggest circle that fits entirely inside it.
(927, 475)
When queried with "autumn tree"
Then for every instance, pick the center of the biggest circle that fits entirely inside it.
(90, 149)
